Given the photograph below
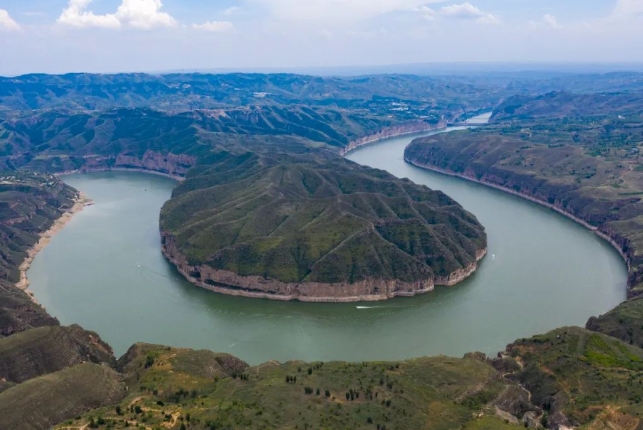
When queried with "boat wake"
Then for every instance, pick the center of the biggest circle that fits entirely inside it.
(146, 271)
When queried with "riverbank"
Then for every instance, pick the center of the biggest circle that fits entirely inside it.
(257, 287)
(45, 237)
(605, 236)
(393, 132)
(121, 169)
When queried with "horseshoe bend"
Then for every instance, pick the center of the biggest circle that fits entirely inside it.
(267, 208)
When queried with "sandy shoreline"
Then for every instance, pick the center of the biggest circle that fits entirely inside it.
(45, 237)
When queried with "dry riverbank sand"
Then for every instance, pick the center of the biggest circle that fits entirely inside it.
(45, 237)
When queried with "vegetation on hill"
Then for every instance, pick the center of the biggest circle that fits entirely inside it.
(578, 378)
(171, 390)
(29, 204)
(317, 218)
(624, 322)
(569, 377)
(43, 350)
(587, 164)
(47, 400)
(400, 95)
(298, 213)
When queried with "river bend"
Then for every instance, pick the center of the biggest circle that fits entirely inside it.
(105, 271)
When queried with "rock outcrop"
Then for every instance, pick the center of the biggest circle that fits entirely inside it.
(394, 131)
(175, 166)
(227, 282)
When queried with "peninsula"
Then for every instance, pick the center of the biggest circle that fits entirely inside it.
(315, 227)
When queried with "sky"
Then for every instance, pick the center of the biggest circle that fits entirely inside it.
(107, 36)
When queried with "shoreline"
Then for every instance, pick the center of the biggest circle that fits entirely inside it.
(577, 220)
(378, 137)
(121, 169)
(45, 237)
(450, 280)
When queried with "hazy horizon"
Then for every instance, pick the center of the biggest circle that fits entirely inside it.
(109, 36)
(419, 69)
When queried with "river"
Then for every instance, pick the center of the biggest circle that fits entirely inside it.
(105, 272)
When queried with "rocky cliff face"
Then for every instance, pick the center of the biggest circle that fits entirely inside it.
(174, 165)
(226, 282)
(389, 132)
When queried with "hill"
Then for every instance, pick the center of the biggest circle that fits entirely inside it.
(47, 400)
(32, 353)
(392, 94)
(569, 377)
(315, 227)
(405, 239)
(586, 165)
(29, 205)
(171, 143)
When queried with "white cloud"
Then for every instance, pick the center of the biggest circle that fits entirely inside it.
(426, 12)
(142, 14)
(76, 15)
(337, 10)
(551, 21)
(6, 22)
(547, 21)
(233, 10)
(214, 26)
(468, 11)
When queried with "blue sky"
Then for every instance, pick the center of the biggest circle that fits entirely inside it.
(57, 36)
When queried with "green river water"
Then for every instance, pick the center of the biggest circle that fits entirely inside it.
(105, 272)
